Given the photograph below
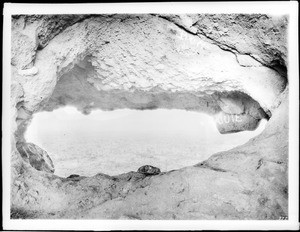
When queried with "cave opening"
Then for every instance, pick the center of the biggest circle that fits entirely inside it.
(87, 125)
(119, 141)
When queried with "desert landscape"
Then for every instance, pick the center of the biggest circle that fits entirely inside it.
(121, 141)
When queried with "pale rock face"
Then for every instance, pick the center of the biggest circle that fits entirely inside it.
(28, 72)
(230, 123)
(231, 106)
(24, 43)
(247, 61)
(232, 67)
(23, 51)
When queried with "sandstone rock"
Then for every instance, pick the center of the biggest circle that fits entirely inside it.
(96, 41)
(230, 123)
(261, 35)
(23, 50)
(37, 157)
(51, 25)
(231, 105)
(149, 170)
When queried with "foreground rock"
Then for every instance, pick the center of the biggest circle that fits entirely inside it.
(73, 176)
(149, 170)
(248, 182)
(37, 157)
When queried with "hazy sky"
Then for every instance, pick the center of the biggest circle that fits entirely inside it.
(126, 122)
(114, 142)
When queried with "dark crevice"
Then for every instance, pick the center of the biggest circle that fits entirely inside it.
(178, 25)
(260, 162)
(206, 165)
(280, 67)
(275, 161)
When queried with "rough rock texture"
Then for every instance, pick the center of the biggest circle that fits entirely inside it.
(37, 157)
(260, 36)
(229, 123)
(148, 170)
(113, 47)
(33, 32)
(233, 65)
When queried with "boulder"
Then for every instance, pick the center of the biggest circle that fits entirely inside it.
(149, 170)
(73, 176)
(36, 156)
(231, 123)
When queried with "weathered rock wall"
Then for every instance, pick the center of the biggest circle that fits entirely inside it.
(138, 58)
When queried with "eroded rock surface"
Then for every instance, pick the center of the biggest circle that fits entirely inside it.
(36, 156)
(260, 36)
(229, 123)
(149, 170)
(164, 61)
(224, 65)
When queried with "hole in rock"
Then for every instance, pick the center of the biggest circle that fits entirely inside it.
(114, 142)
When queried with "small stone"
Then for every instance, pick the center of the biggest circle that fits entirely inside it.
(73, 176)
(149, 170)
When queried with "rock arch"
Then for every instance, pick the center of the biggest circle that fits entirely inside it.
(156, 61)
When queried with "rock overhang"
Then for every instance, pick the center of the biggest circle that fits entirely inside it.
(143, 62)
